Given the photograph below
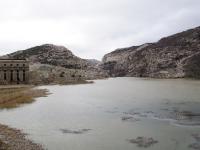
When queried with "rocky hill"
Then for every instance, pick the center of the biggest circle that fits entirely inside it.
(56, 64)
(52, 55)
(175, 56)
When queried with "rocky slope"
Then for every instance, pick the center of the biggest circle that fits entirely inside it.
(171, 57)
(56, 64)
(52, 55)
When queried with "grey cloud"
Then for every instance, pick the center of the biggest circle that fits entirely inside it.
(92, 28)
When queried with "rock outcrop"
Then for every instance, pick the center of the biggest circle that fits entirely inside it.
(176, 56)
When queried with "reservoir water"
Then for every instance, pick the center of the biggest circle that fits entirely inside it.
(105, 115)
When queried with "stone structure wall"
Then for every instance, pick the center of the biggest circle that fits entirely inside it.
(14, 71)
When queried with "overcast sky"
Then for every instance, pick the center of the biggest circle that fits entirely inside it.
(91, 28)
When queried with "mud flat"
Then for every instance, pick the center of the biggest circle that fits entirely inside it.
(13, 139)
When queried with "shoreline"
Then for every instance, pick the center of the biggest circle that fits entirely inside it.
(14, 139)
(13, 96)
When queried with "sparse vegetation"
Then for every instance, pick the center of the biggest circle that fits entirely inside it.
(11, 97)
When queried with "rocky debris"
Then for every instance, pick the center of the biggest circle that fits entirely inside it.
(13, 139)
(175, 56)
(81, 131)
(144, 142)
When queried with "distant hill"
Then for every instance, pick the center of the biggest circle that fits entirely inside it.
(52, 55)
(51, 63)
(176, 56)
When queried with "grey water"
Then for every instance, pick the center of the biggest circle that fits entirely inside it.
(106, 114)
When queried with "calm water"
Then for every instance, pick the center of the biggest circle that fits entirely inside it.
(109, 112)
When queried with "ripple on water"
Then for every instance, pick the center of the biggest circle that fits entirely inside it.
(178, 114)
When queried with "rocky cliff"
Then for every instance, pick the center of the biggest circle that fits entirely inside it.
(56, 64)
(175, 56)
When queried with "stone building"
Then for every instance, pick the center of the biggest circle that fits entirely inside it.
(14, 71)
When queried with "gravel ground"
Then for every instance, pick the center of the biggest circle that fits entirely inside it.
(13, 139)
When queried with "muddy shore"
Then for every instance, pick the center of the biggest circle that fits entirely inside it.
(14, 139)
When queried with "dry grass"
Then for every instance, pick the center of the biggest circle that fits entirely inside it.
(12, 97)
